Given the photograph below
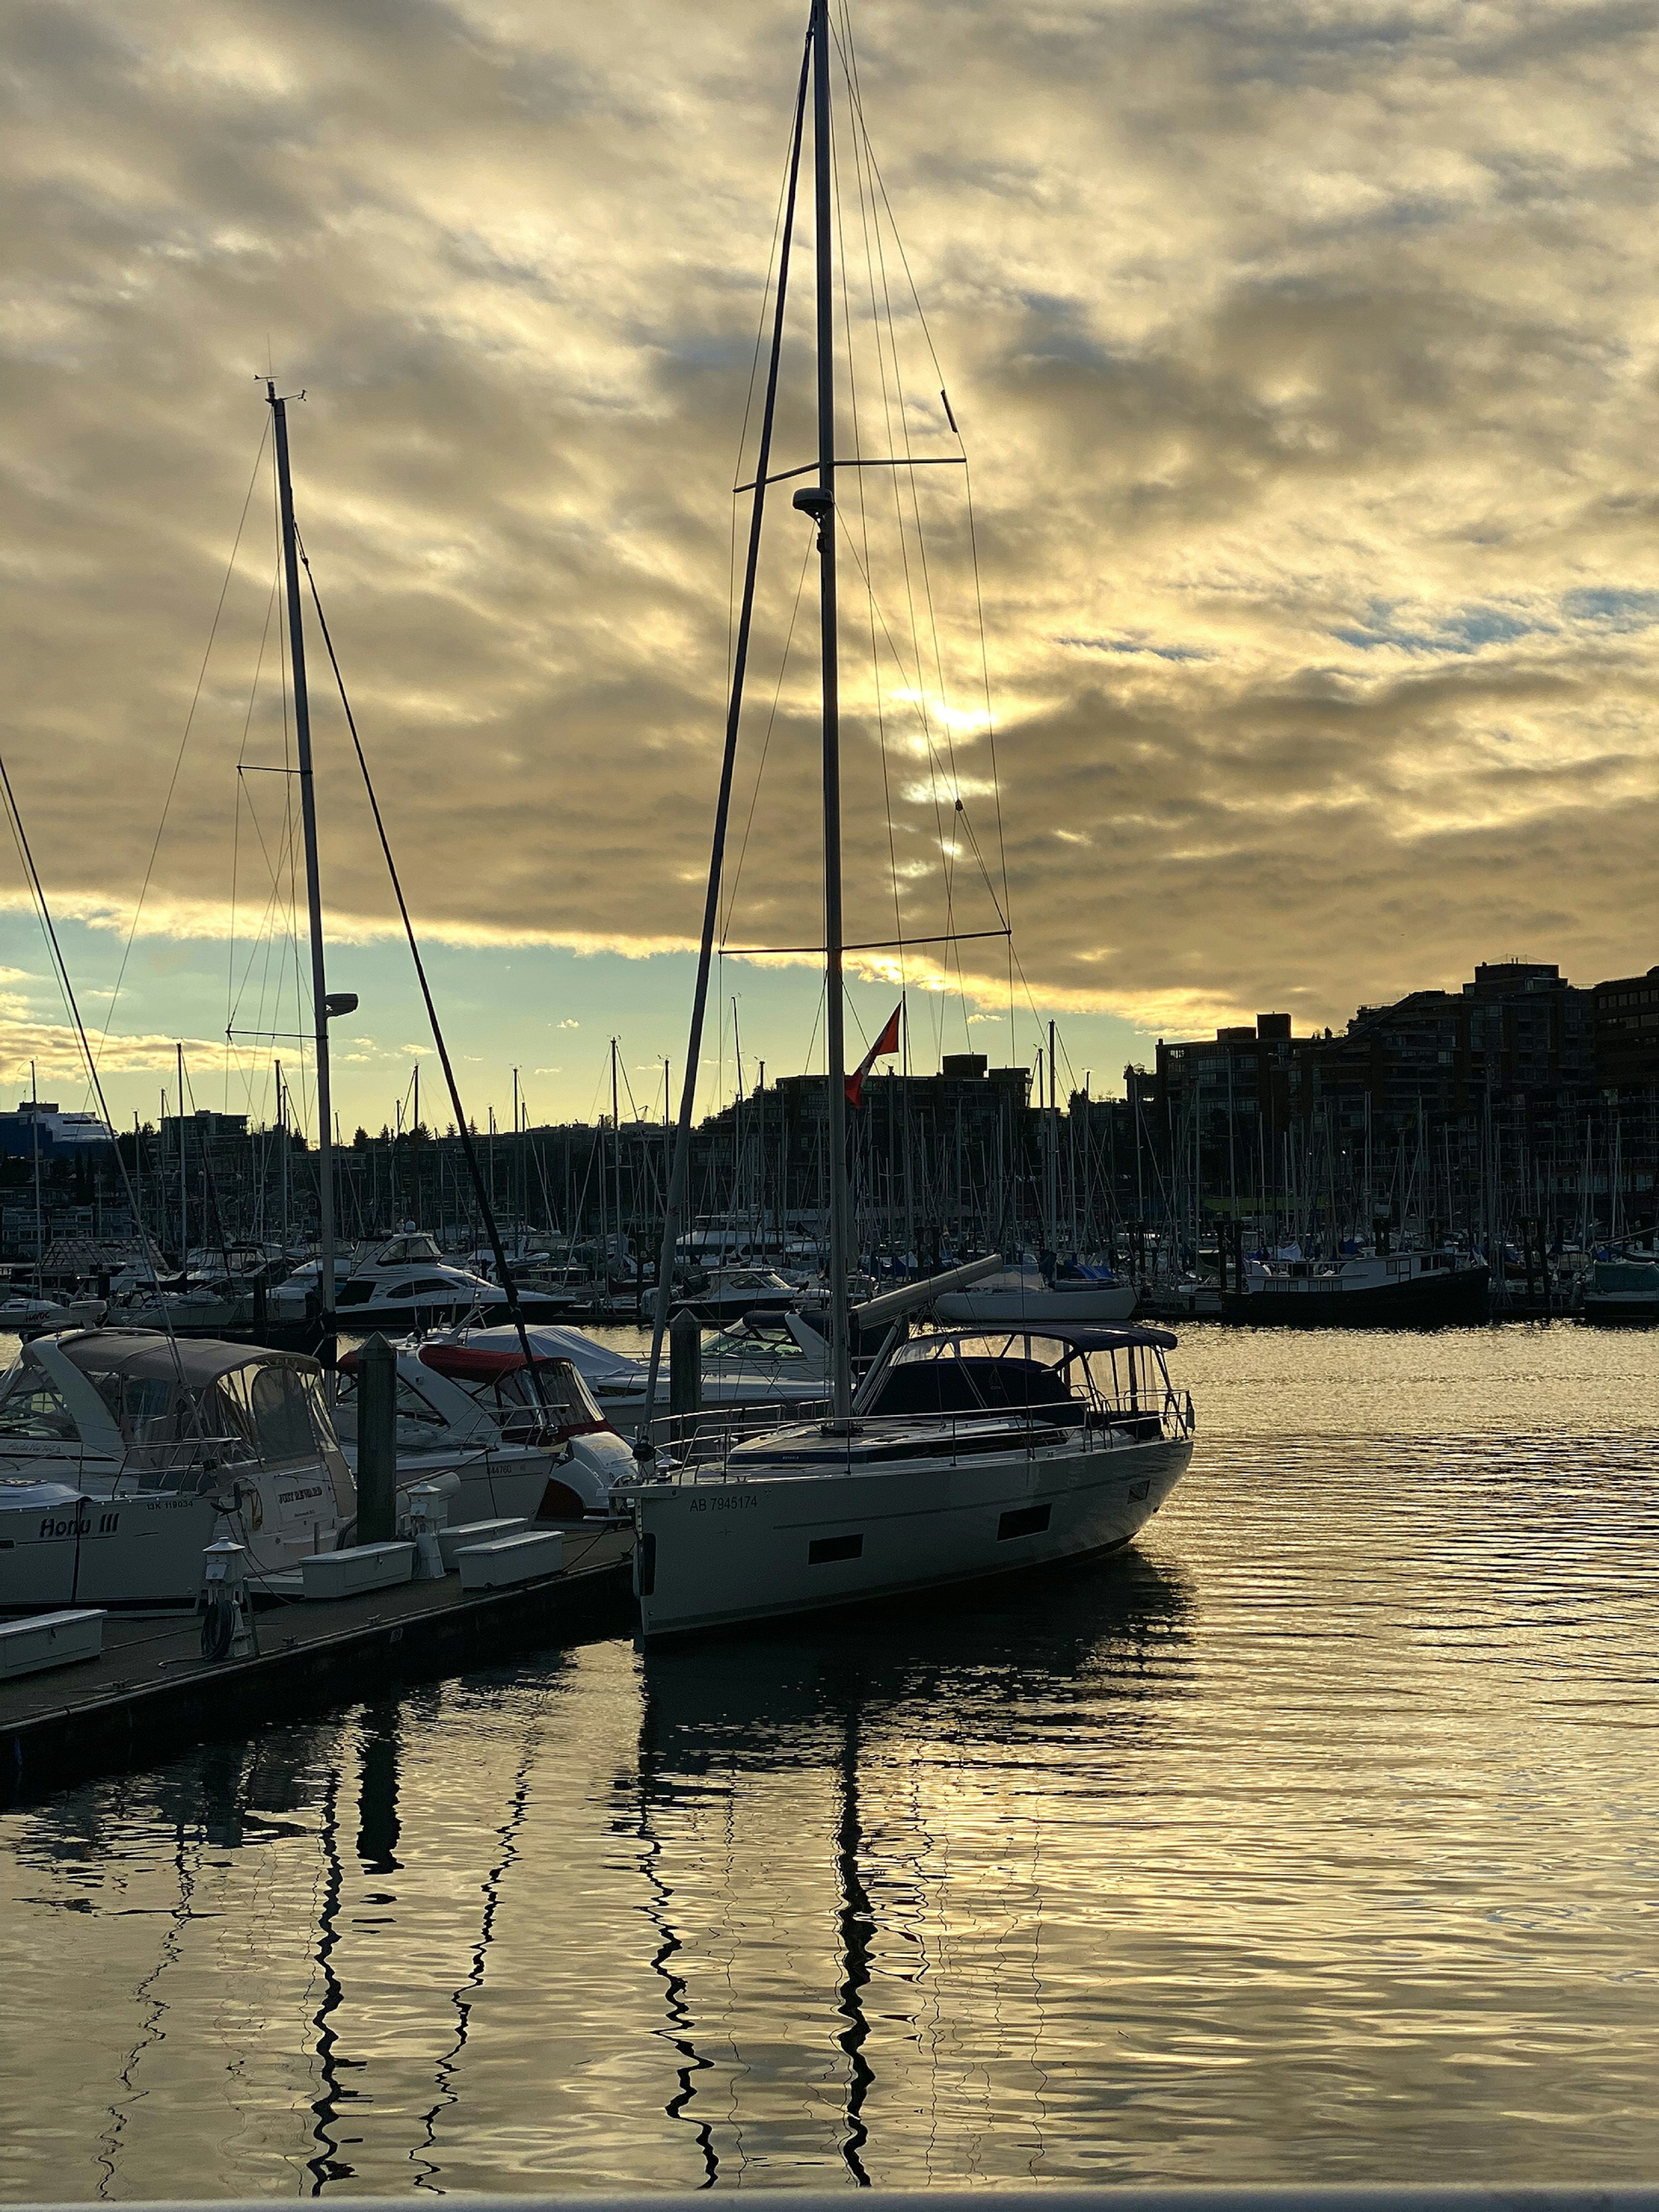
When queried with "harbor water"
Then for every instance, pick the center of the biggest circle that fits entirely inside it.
(1316, 1839)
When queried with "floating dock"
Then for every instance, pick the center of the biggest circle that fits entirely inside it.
(151, 1693)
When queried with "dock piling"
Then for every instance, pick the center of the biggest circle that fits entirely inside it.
(377, 1446)
(684, 1364)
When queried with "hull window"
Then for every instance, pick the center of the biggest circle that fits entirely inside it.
(823, 1549)
(1025, 1521)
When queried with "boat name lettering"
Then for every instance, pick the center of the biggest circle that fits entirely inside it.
(296, 1496)
(69, 1527)
(735, 1501)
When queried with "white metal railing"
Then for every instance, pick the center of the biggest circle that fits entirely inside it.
(698, 1447)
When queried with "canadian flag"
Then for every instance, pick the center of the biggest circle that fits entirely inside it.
(886, 1042)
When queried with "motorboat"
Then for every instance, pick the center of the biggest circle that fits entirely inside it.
(25, 1315)
(470, 1424)
(191, 1304)
(1025, 1297)
(406, 1283)
(729, 1293)
(1388, 1289)
(968, 1455)
(124, 1454)
(1622, 1288)
(781, 1366)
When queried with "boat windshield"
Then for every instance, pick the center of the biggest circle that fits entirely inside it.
(959, 1373)
(752, 1346)
(31, 1409)
(509, 1398)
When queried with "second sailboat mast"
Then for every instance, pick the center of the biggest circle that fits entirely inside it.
(841, 1369)
(314, 893)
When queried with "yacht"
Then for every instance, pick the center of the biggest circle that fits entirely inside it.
(468, 1422)
(966, 1455)
(26, 1314)
(124, 1454)
(1388, 1289)
(403, 1284)
(730, 1292)
(959, 1454)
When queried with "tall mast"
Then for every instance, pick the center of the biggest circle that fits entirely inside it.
(1054, 1150)
(296, 643)
(824, 509)
(184, 1171)
(679, 1171)
(616, 1160)
(39, 1230)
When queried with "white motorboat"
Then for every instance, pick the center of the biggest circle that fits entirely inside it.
(729, 1293)
(1024, 1298)
(124, 1454)
(403, 1284)
(468, 1422)
(21, 1314)
(966, 1455)
(780, 1368)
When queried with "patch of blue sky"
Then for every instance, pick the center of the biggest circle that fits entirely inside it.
(1132, 646)
(545, 1010)
(1612, 609)
(1465, 629)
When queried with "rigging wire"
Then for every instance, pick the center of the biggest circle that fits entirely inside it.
(178, 762)
(772, 716)
(856, 95)
(504, 1273)
(20, 837)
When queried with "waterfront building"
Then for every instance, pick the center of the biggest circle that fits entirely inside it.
(44, 1125)
(1625, 1038)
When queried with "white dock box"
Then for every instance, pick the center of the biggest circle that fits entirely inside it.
(50, 1639)
(511, 1559)
(452, 1541)
(364, 1567)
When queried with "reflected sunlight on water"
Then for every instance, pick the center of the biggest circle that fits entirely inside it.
(1316, 1839)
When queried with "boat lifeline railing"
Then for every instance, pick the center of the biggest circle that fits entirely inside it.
(697, 1439)
(699, 1447)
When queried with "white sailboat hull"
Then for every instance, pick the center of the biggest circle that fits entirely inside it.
(713, 1553)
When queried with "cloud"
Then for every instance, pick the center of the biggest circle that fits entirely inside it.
(1303, 359)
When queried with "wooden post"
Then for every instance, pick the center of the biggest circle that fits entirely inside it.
(377, 1445)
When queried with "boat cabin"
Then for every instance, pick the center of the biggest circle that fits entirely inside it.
(1095, 1377)
(167, 1414)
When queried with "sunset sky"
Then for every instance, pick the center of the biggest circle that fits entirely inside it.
(1306, 362)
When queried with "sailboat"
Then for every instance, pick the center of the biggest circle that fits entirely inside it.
(962, 1454)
